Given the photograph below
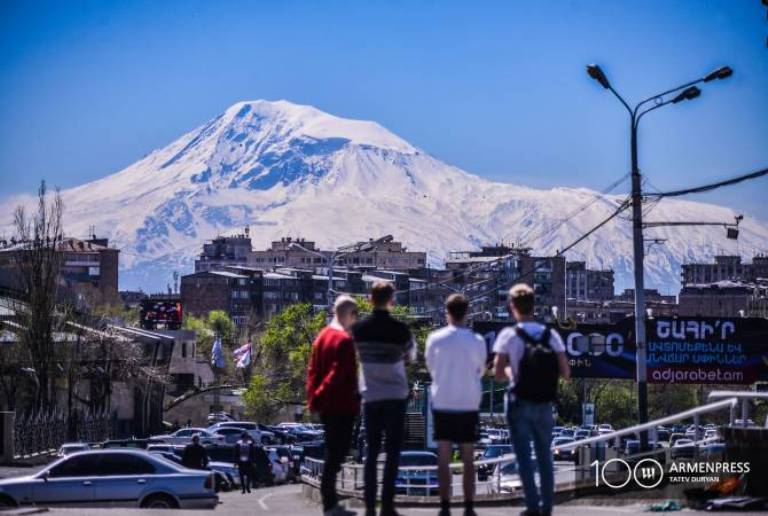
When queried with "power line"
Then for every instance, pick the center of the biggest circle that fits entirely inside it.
(712, 186)
(623, 206)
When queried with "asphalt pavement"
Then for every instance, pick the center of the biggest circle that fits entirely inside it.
(289, 501)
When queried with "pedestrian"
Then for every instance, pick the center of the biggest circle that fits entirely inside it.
(532, 357)
(244, 455)
(332, 393)
(456, 360)
(384, 345)
(194, 455)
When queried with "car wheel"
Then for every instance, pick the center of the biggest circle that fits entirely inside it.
(7, 502)
(159, 501)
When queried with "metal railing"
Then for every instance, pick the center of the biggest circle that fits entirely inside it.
(44, 432)
(351, 475)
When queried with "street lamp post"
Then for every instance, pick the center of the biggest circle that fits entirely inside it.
(335, 255)
(687, 91)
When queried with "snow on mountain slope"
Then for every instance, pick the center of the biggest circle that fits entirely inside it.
(285, 169)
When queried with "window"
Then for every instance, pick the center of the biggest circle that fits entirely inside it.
(78, 466)
(115, 464)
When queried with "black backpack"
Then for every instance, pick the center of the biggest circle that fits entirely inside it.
(538, 370)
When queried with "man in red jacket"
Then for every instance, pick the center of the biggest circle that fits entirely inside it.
(332, 393)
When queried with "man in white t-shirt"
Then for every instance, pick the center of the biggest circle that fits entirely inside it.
(455, 357)
(532, 357)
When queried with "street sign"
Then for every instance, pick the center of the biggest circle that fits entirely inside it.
(587, 413)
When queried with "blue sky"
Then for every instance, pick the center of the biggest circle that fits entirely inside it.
(497, 88)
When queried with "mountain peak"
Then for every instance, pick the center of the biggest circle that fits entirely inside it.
(297, 120)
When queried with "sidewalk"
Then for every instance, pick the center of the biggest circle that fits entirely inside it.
(288, 500)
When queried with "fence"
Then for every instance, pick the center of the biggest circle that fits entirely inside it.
(43, 432)
(421, 481)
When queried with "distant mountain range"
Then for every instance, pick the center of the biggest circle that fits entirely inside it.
(290, 170)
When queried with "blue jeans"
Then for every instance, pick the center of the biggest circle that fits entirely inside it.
(532, 422)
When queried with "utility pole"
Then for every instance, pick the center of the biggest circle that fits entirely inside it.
(687, 91)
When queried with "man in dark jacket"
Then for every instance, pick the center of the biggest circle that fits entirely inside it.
(384, 345)
(194, 455)
(244, 456)
(332, 394)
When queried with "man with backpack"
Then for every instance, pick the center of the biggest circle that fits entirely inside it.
(532, 357)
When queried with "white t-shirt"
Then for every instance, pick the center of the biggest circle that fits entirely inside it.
(508, 343)
(456, 358)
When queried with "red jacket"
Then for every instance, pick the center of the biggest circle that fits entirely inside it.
(332, 374)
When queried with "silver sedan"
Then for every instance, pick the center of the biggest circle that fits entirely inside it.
(107, 478)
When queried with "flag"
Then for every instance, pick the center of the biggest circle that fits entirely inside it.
(217, 355)
(242, 355)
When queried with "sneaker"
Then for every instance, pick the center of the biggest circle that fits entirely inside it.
(338, 510)
(469, 512)
(444, 512)
(529, 512)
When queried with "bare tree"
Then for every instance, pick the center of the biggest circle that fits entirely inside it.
(37, 264)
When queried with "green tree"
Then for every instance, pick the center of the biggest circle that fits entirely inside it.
(281, 359)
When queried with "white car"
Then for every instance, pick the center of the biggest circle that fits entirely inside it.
(249, 426)
(184, 436)
(70, 448)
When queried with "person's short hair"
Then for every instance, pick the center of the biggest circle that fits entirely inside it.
(195, 437)
(522, 299)
(382, 293)
(458, 306)
(343, 305)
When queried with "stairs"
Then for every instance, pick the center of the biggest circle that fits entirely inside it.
(415, 431)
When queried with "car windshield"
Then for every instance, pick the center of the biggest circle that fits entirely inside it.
(421, 459)
(559, 441)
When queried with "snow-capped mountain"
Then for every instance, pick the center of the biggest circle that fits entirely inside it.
(290, 170)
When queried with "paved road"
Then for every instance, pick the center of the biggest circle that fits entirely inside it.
(288, 501)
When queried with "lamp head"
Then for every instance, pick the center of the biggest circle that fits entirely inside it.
(721, 73)
(597, 74)
(687, 94)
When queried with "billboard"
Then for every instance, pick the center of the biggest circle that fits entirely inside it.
(679, 350)
(158, 313)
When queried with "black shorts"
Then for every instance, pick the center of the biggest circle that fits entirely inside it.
(456, 427)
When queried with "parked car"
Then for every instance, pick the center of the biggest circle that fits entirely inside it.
(566, 432)
(231, 435)
(70, 448)
(563, 454)
(605, 428)
(184, 436)
(492, 452)
(112, 477)
(248, 426)
(224, 481)
(582, 434)
(262, 465)
(683, 448)
(219, 417)
(290, 460)
(417, 482)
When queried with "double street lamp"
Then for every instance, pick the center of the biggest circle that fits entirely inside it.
(687, 91)
(359, 247)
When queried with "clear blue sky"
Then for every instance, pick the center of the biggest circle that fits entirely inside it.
(498, 89)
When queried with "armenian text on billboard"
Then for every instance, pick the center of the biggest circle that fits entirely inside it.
(679, 350)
